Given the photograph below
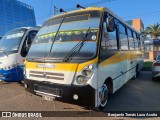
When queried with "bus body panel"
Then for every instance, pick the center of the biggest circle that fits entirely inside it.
(15, 73)
(121, 67)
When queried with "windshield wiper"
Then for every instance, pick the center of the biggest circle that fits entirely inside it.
(55, 36)
(4, 52)
(81, 43)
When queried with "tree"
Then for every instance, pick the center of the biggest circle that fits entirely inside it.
(152, 30)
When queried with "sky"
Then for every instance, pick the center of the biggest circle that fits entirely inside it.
(147, 10)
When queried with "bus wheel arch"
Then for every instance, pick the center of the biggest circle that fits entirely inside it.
(109, 83)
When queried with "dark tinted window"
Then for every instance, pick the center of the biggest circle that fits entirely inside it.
(27, 43)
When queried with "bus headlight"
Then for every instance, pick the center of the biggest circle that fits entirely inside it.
(86, 74)
(88, 71)
(81, 79)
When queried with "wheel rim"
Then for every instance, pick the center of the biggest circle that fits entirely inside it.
(104, 95)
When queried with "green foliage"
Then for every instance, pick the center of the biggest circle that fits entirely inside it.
(152, 30)
(147, 66)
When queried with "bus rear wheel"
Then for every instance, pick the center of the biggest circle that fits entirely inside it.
(103, 94)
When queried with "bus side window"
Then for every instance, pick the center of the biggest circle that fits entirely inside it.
(139, 42)
(136, 42)
(123, 37)
(130, 38)
(27, 43)
(109, 39)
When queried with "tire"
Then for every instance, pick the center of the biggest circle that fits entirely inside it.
(104, 95)
(20, 82)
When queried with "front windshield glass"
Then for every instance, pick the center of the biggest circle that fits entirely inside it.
(72, 30)
(11, 40)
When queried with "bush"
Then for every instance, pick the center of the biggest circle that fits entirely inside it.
(147, 66)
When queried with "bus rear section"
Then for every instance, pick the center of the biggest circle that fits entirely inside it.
(13, 48)
(80, 57)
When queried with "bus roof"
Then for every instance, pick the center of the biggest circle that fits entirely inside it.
(117, 17)
(22, 27)
(102, 9)
(34, 28)
(81, 10)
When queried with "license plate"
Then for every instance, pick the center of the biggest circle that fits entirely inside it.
(50, 90)
(48, 98)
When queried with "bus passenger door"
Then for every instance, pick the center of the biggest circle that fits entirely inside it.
(24, 48)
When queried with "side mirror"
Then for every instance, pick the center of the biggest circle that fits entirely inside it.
(110, 24)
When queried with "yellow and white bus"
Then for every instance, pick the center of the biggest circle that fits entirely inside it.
(81, 56)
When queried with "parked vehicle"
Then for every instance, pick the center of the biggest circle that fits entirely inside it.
(83, 55)
(14, 47)
(156, 69)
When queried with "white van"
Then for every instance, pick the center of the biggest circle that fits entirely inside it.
(14, 47)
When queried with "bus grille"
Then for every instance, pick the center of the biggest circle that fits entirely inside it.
(46, 90)
(47, 75)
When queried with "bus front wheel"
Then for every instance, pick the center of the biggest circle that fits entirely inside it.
(103, 95)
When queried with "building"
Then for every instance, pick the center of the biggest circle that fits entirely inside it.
(137, 24)
(152, 48)
(14, 14)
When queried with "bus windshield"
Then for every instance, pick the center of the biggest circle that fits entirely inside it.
(10, 42)
(54, 44)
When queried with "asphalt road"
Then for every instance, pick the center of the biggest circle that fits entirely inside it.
(141, 94)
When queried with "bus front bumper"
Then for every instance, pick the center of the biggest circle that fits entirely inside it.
(12, 75)
(80, 95)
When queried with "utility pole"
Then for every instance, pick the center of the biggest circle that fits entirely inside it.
(55, 10)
